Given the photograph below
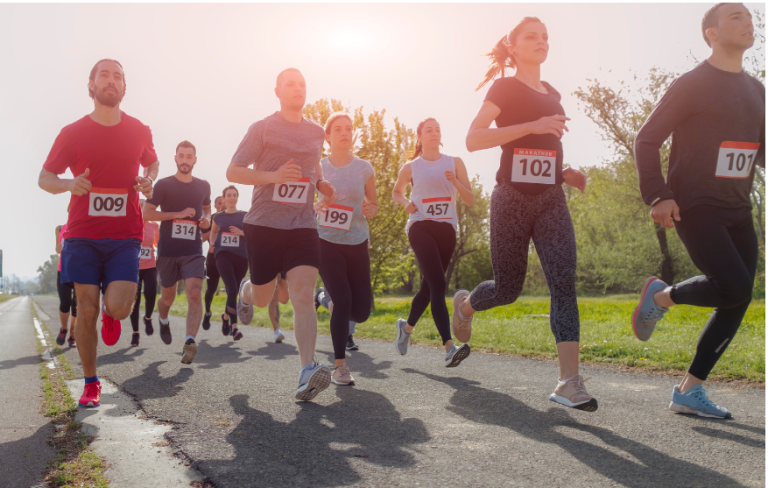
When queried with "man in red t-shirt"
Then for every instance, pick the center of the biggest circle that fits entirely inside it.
(104, 151)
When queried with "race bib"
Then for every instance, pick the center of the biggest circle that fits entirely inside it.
(229, 239)
(146, 253)
(107, 202)
(294, 192)
(336, 217)
(735, 159)
(184, 229)
(534, 166)
(440, 208)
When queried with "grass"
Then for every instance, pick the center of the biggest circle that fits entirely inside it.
(4, 298)
(606, 333)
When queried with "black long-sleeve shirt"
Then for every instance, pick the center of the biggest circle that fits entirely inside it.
(706, 110)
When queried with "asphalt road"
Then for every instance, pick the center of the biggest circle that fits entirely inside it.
(411, 422)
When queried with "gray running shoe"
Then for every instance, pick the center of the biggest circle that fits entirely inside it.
(696, 402)
(401, 342)
(313, 379)
(647, 313)
(165, 332)
(190, 351)
(456, 355)
(279, 336)
(244, 311)
(461, 327)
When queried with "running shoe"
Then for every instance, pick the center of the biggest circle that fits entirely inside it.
(135, 339)
(401, 342)
(165, 332)
(351, 346)
(313, 378)
(71, 341)
(573, 394)
(236, 334)
(647, 313)
(456, 355)
(61, 337)
(91, 395)
(317, 297)
(110, 328)
(226, 329)
(279, 336)
(244, 311)
(461, 327)
(696, 402)
(149, 329)
(190, 351)
(207, 321)
(341, 376)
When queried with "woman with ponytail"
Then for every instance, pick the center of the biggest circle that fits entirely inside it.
(528, 201)
(431, 229)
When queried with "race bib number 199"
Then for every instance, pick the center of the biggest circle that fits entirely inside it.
(184, 229)
(735, 159)
(107, 202)
(534, 166)
(294, 192)
(336, 217)
(439, 208)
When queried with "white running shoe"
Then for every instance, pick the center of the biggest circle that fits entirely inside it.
(279, 336)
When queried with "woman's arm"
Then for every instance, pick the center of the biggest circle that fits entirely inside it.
(461, 181)
(398, 192)
(371, 201)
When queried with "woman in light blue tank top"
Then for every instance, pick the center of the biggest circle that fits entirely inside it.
(431, 228)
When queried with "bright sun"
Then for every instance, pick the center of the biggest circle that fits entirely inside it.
(350, 39)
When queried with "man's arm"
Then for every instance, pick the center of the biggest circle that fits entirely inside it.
(152, 214)
(51, 183)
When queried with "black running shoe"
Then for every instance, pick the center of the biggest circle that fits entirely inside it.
(135, 339)
(165, 332)
(149, 329)
(351, 346)
(61, 337)
(317, 294)
(236, 334)
(72, 341)
(207, 321)
(226, 329)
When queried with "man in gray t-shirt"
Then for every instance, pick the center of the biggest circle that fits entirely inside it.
(280, 228)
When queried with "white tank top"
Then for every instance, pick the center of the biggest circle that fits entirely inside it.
(433, 194)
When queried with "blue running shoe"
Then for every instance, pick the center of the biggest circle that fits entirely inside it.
(647, 313)
(696, 402)
(313, 379)
(401, 342)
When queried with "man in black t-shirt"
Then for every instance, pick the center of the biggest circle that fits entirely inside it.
(716, 116)
(185, 205)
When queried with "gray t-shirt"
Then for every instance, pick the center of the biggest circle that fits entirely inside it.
(349, 182)
(269, 144)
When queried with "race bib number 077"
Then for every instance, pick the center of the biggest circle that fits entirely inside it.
(534, 166)
(107, 202)
(294, 192)
(184, 229)
(735, 159)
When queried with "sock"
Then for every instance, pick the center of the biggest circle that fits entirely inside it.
(461, 315)
(92, 379)
(190, 337)
(568, 379)
(352, 326)
(325, 300)
(164, 321)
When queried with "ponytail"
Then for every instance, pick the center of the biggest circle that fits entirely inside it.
(419, 148)
(501, 58)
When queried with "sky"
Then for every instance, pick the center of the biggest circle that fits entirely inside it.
(204, 73)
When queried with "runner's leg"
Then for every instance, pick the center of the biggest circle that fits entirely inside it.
(301, 285)
(194, 290)
(167, 296)
(212, 282)
(136, 306)
(333, 271)
(87, 337)
(150, 291)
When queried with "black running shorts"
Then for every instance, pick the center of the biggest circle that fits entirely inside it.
(277, 251)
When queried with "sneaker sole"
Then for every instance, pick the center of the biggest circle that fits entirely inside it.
(398, 339)
(351, 383)
(677, 408)
(353, 348)
(244, 312)
(587, 406)
(88, 405)
(460, 356)
(238, 336)
(463, 335)
(280, 338)
(318, 382)
(189, 355)
(640, 304)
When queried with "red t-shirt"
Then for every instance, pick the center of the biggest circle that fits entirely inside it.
(113, 154)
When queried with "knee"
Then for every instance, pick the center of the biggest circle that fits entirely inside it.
(736, 292)
(361, 313)
(304, 294)
(119, 310)
(87, 314)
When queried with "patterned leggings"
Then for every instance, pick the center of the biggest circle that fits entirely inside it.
(515, 219)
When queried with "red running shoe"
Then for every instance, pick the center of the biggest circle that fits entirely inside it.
(61, 337)
(110, 328)
(91, 395)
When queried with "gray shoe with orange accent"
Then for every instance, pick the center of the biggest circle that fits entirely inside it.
(461, 327)
(456, 355)
(313, 378)
(573, 394)
(647, 313)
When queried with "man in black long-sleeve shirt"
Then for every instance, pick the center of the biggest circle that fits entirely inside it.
(716, 115)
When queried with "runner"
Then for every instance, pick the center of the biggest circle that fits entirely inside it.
(528, 200)
(104, 150)
(345, 266)
(211, 271)
(185, 204)
(716, 112)
(281, 295)
(67, 296)
(147, 277)
(231, 256)
(431, 230)
(281, 229)
(323, 299)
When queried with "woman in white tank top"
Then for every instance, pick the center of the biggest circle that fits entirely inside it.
(431, 228)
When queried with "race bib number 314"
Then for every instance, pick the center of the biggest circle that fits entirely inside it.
(184, 229)
(735, 159)
(294, 192)
(534, 166)
(107, 202)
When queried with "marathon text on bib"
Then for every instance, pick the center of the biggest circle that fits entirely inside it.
(107, 202)
(439, 208)
(736, 159)
(184, 229)
(336, 217)
(534, 166)
(228, 239)
(294, 192)
(146, 253)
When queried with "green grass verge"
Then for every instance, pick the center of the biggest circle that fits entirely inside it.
(4, 298)
(606, 332)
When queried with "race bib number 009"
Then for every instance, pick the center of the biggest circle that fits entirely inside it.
(534, 166)
(735, 159)
(294, 192)
(336, 217)
(146, 253)
(184, 229)
(229, 239)
(439, 208)
(107, 202)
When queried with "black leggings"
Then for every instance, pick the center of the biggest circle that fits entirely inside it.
(67, 296)
(722, 243)
(212, 273)
(346, 273)
(149, 278)
(433, 244)
(232, 269)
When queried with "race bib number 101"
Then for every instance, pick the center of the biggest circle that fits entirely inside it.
(294, 192)
(735, 159)
(184, 229)
(534, 166)
(107, 202)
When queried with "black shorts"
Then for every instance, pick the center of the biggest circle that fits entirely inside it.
(277, 251)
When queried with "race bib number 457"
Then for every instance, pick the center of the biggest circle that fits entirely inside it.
(184, 229)
(107, 202)
(534, 166)
(735, 159)
(294, 192)
(439, 208)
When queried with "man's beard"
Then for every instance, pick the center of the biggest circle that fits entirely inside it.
(184, 169)
(109, 99)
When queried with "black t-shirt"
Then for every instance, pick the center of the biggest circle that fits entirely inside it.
(717, 122)
(180, 237)
(520, 103)
(225, 241)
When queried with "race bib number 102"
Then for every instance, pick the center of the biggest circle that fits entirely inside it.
(534, 166)
(107, 202)
(294, 192)
(735, 159)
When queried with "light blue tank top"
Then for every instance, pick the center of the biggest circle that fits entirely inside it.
(349, 183)
(433, 194)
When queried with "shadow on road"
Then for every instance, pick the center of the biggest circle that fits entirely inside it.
(657, 469)
(25, 361)
(209, 357)
(151, 385)
(362, 364)
(275, 351)
(120, 356)
(24, 460)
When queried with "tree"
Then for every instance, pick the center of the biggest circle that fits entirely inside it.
(48, 272)
(472, 232)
